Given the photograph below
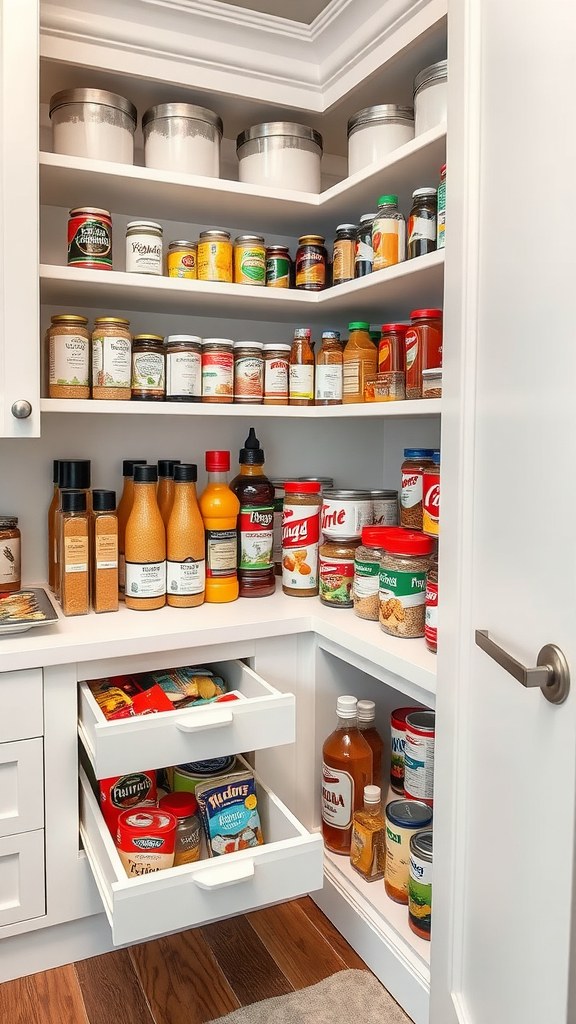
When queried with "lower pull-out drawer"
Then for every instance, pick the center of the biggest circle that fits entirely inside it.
(22, 884)
(266, 718)
(287, 866)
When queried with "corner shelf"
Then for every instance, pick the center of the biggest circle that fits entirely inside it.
(372, 410)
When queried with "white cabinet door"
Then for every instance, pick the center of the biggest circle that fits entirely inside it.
(21, 786)
(22, 883)
(19, 303)
(506, 757)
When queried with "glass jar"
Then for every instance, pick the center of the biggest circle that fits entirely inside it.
(432, 383)
(344, 254)
(300, 538)
(111, 359)
(182, 137)
(280, 154)
(68, 357)
(90, 238)
(392, 348)
(416, 461)
(402, 586)
(423, 347)
(148, 368)
(93, 123)
(388, 234)
(188, 830)
(441, 212)
(422, 223)
(336, 572)
(431, 618)
(367, 558)
(182, 260)
(431, 497)
(329, 362)
(248, 372)
(215, 256)
(144, 252)
(384, 507)
(301, 372)
(276, 366)
(10, 555)
(218, 370)
(359, 362)
(183, 368)
(279, 267)
(364, 253)
(374, 132)
(250, 260)
(311, 263)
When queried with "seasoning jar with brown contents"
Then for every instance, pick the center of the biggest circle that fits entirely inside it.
(367, 559)
(68, 357)
(9, 555)
(104, 555)
(111, 359)
(74, 553)
(402, 587)
(148, 368)
(300, 538)
(416, 462)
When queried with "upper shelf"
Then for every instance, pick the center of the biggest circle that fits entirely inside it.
(143, 192)
(371, 410)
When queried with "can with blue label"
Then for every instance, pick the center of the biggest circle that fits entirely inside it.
(397, 741)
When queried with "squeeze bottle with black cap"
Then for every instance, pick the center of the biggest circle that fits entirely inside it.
(185, 573)
(255, 493)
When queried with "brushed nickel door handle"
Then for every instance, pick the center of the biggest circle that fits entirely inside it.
(551, 673)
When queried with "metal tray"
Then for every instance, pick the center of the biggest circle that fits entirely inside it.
(22, 623)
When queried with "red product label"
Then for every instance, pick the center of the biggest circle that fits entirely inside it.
(431, 625)
(300, 532)
(257, 519)
(431, 503)
(123, 792)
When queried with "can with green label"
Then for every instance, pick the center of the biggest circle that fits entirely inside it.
(249, 260)
(279, 271)
(420, 883)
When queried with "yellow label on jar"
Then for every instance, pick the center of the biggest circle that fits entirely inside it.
(215, 261)
(182, 263)
(250, 264)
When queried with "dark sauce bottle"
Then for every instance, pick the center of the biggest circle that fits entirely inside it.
(255, 493)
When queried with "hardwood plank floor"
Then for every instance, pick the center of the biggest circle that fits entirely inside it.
(190, 978)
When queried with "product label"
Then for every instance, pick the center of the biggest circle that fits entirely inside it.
(398, 857)
(420, 893)
(182, 264)
(217, 374)
(398, 740)
(364, 252)
(110, 362)
(366, 579)
(431, 503)
(431, 623)
(389, 242)
(250, 265)
(184, 374)
(249, 377)
(277, 272)
(368, 849)
(343, 258)
(411, 492)
(276, 378)
(256, 536)
(215, 261)
(411, 349)
(441, 228)
(351, 375)
(419, 766)
(385, 512)
(337, 797)
(421, 228)
(148, 372)
(300, 537)
(106, 550)
(301, 381)
(10, 560)
(329, 382)
(143, 256)
(401, 601)
(89, 242)
(69, 360)
(221, 553)
(145, 579)
(345, 519)
(76, 554)
(336, 581)
(185, 578)
(311, 269)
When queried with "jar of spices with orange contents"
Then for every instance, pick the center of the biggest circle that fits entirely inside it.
(9, 555)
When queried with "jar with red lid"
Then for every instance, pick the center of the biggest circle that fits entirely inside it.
(367, 560)
(423, 345)
(391, 347)
(416, 462)
(300, 537)
(402, 585)
(431, 497)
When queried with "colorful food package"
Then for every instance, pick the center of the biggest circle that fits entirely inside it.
(146, 693)
(123, 793)
(184, 686)
(229, 812)
(112, 701)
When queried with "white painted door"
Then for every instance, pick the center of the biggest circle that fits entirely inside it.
(505, 815)
(19, 303)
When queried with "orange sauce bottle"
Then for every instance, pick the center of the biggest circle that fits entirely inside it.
(123, 511)
(346, 769)
(145, 545)
(185, 542)
(166, 487)
(220, 507)
(366, 718)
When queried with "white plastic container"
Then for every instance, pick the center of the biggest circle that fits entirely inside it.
(182, 137)
(430, 97)
(93, 123)
(280, 154)
(374, 132)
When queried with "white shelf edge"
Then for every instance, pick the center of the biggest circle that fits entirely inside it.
(372, 410)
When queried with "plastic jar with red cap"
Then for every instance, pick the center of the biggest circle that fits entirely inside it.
(392, 348)
(184, 807)
(367, 560)
(402, 583)
(301, 537)
(423, 344)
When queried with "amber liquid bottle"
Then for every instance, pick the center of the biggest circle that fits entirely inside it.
(346, 770)
(185, 572)
(123, 511)
(145, 545)
(366, 718)
(255, 493)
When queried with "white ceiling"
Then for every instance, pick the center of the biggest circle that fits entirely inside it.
(296, 10)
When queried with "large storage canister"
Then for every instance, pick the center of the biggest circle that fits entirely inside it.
(93, 123)
(280, 154)
(430, 97)
(182, 137)
(374, 132)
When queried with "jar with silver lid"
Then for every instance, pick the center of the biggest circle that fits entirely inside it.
(144, 252)
(345, 512)
(430, 97)
(215, 256)
(280, 154)
(183, 368)
(384, 508)
(93, 123)
(182, 138)
(248, 372)
(374, 132)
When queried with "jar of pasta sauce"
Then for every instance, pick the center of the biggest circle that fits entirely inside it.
(148, 368)
(9, 555)
(336, 572)
(248, 372)
(182, 259)
(311, 263)
(344, 513)
(90, 238)
(217, 370)
(215, 256)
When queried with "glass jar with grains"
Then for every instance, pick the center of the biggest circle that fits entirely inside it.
(367, 559)
(68, 357)
(416, 462)
(402, 586)
(111, 359)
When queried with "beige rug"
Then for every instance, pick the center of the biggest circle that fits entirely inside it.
(347, 995)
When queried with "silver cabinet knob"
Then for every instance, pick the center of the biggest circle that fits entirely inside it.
(551, 673)
(21, 409)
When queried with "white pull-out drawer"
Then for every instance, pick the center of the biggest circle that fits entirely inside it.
(287, 866)
(22, 887)
(21, 786)
(21, 714)
(265, 719)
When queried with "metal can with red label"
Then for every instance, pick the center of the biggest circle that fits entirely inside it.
(431, 497)
(344, 513)
(336, 573)
(90, 239)
(145, 840)
(431, 621)
(300, 538)
(125, 792)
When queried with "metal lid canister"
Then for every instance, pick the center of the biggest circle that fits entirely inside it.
(345, 512)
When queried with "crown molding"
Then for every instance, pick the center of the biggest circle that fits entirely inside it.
(241, 16)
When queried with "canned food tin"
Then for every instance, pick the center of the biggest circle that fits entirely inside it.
(344, 513)
(419, 756)
(90, 238)
(384, 508)
(250, 260)
(215, 256)
(182, 259)
(403, 819)
(420, 883)
(431, 497)
(145, 840)
(187, 776)
(125, 792)
(397, 744)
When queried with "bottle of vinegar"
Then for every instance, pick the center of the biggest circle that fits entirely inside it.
(346, 770)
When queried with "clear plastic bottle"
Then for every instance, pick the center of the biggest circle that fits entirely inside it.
(220, 507)
(255, 493)
(359, 362)
(388, 234)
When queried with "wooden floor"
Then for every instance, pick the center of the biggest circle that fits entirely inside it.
(189, 978)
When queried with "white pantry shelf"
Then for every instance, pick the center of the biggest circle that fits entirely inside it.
(146, 192)
(384, 295)
(372, 410)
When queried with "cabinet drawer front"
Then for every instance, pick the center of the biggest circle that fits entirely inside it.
(21, 713)
(265, 719)
(21, 786)
(289, 865)
(22, 886)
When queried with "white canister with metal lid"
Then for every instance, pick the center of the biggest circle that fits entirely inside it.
(345, 512)
(280, 154)
(374, 132)
(182, 137)
(430, 97)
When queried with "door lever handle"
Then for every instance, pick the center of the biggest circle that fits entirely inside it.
(551, 673)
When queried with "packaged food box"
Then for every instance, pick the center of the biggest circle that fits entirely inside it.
(229, 812)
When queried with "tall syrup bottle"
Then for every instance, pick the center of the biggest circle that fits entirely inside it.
(255, 493)
(346, 770)
(220, 507)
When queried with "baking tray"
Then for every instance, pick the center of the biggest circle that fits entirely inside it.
(19, 624)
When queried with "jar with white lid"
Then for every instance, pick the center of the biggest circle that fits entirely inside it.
(280, 154)
(430, 97)
(144, 251)
(182, 137)
(374, 132)
(93, 123)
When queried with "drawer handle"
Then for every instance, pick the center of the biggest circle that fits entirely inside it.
(225, 874)
(207, 720)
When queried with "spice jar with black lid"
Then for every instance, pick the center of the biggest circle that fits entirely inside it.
(344, 254)
(104, 551)
(148, 368)
(311, 263)
(73, 551)
(422, 222)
